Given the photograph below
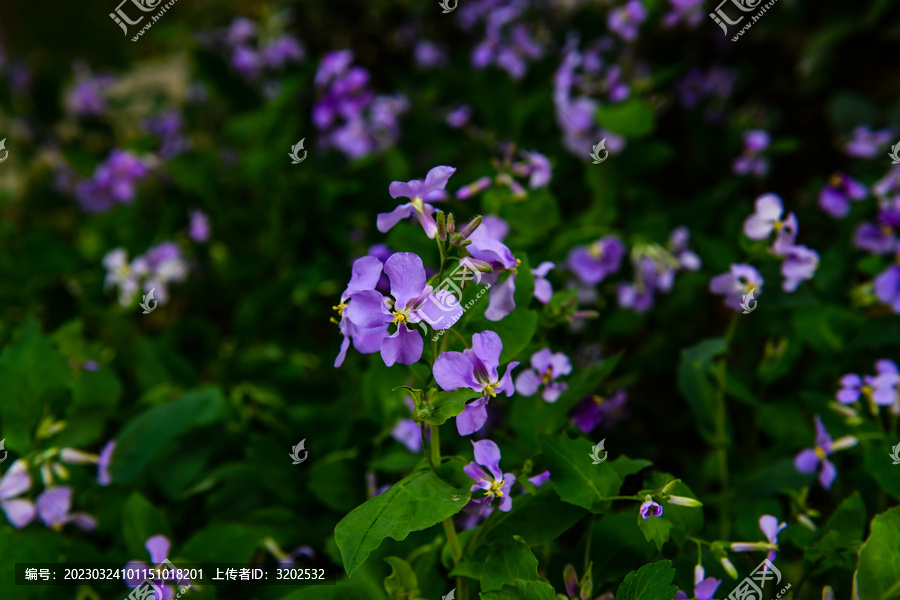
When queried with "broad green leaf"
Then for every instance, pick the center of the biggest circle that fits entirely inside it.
(650, 582)
(535, 217)
(401, 584)
(633, 118)
(141, 521)
(695, 384)
(577, 480)
(332, 479)
(221, 542)
(507, 563)
(149, 435)
(538, 518)
(532, 590)
(879, 563)
(445, 405)
(655, 529)
(416, 502)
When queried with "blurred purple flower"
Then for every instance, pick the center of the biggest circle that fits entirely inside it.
(105, 459)
(650, 509)
(689, 12)
(734, 285)
(113, 181)
(543, 291)
(407, 431)
(756, 141)
(626, 19)
(880, 389)
(597, 410)
(14, 483)
(878, 239)
(198, 230)
(704, 588)
(800, 263)
(53, 506)
(866, 143)
(495, 483)
(281, 50)
(158, 547)
(167, 126)
(429, 55)
(592, 264)
(770, 527)
(816, 458)
(459, 116)
(766, 219)
(240, 31)
(837, 193)
(887, 285)
(476, 369)
(546, 368)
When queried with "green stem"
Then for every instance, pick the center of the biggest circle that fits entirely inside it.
(587, 545)
(721, 434)
(435, 444)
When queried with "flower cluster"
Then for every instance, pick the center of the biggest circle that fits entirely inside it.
(254, 54)
(508, 44)
(87, 96)
(167, 126)
(534, 165)
(350, 117)
(756, 141)
(161, 265)
(877, 390)
(113, 182)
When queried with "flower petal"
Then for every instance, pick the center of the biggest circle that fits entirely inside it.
(407, 276)
(19, 512)
(158, 546)
(404, 347)
(527, 382)
(806, 461)
(437, 178)
(367, 311)
(386, 221)
(15, 481)
(770, 527)
(472, 418)
(827, 474)
(453, 370)
(487, 454)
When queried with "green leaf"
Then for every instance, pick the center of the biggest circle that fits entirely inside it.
(535, 217)
(401, 584)
(650, 582)
(879, 563)
(632, 118)
(686, 521)
(222, 542)
(532, 590)
(141, 521)
(576, 479)
(445, 405)
(655, 529)
(538, 518)
(150, 434)
(508, 563)
(416, 502)
(695, 384)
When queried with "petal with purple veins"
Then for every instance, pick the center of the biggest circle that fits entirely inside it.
(386, 221)
(404, 347)
(407, 276)
(487, 454)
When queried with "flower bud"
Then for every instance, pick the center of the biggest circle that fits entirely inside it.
(729, 568)
(670, 486)
(441, 226)
(46, 475)
(848, 441)
(684, 501)
(807, 522)
(476, 265)
(752, 546)
(470, 227)
(451, 226)
(61, 471)
(77, 457)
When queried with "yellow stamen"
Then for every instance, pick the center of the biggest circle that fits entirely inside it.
(867, 390)
(820, 453)
(778, 225)
(340, 308)
(399, 317)
(835, 180)
(599, 399)
(596, 250)
(548, 376)
(489, 388)
(515, 270)
(497, 488)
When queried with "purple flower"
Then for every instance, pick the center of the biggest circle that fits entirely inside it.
(880, 389)
(546, 368)
(617, 89)
(477, 369)
(418, 192)
(158, 548)
(543, 291)
(332, 65)
(240, 31)
(87, 97)
(198, 230)
(887, 285)
(120, 274)
(650, 508)
(90, 365)
(593, 263)
(167, 126)
(277, 52)
(596, 410)
(113, 181)
(429, 55)
(459, 116)
(877, 239)
(538, 169)
(836, 195)
(866, 143)
(766, 219)
(495, 483)
(751, 161)
(247, 61)
(770, 528)
(366, 274)
(53, 506)
(689, 12)
(486, 246)
(816, 458)
(704, 589)
(678, 246)
(15, 482)
(407, 431)
(105, 459)
(800, 263)
(626, 19)
(369, 310)
(734, 285)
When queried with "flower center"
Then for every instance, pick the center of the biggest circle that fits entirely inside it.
(835, 181)
(515, 270)
(489, 389)
(777, 225)
(866, 389)
(399, 317)
(820, 453)
(418, 204)
(596, 250)
(548, 375)
(497, 488)
(340, 308)
(599, 399)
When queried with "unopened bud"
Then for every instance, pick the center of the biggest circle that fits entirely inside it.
(46, 475)
(671, 486)
(684, 501)
(451, 226)
(752, 546)
(476, 265)
(61, 471)
(807, 522)
(473, 188)
(470, 227)
(441, 226)
(729, 568)
(77, 457)
(848, 441)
